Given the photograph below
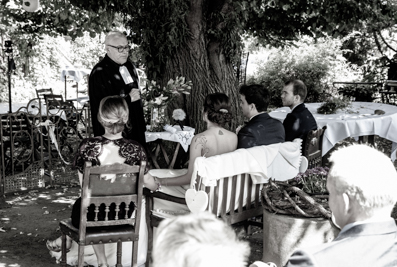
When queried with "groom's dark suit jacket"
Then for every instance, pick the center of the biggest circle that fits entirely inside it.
(261, 130)
(368, 244)
(298, 123)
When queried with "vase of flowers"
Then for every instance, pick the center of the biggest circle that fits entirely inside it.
(156, 99)
(178, 115)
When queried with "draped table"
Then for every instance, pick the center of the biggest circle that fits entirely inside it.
(181, 137)
(356, 121)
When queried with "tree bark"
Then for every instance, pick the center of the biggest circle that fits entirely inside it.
(202, 61)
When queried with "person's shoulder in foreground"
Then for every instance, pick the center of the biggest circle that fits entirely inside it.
(199, 240)
(362, 186)
(261, 129)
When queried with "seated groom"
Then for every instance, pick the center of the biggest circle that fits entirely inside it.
(300, 121)
(261, 129)
(362, 185)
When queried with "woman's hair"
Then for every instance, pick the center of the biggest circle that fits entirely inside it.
(113, 113)
(199, 240)
(217, 106)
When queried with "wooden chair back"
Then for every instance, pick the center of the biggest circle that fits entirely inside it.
(125, 186)
(42, 92)
(313, 147)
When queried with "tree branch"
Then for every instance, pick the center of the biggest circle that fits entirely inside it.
(386, 43)
(377, 42)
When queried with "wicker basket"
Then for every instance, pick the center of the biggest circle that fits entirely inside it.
(286, 198)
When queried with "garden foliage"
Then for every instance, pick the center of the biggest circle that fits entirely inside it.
(316, 63)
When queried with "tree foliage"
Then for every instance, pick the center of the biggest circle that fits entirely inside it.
(317, 64)
(201, 39)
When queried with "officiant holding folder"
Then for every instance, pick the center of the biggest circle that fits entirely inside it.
(116, 75)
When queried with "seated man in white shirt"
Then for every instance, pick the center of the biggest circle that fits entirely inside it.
(362, 185)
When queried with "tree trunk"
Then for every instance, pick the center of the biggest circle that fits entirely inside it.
(203, 62)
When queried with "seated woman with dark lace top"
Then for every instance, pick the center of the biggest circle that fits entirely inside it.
(214, 141)
(107, 149)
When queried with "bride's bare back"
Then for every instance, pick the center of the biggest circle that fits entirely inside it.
(213, 141)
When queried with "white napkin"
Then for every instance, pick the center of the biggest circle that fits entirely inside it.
(170, 129)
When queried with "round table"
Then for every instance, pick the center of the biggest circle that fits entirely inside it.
(357, 120)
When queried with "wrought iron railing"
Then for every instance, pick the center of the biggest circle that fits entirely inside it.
(38, 143)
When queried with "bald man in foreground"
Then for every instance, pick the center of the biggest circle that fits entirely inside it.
(116, 75)
(362, 185)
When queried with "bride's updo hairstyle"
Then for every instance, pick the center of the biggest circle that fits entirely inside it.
(217, 106)
(113, 113)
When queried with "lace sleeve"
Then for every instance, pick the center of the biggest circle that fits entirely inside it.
(133, 154)
(89, 150)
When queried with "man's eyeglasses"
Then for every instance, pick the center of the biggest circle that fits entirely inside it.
(121, 49)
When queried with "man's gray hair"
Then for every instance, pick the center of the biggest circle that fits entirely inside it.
(114, 35)
(199, 240)
(365, 174)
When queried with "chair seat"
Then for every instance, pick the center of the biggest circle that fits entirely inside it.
(102, 234)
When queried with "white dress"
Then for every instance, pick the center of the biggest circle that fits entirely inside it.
(164, 206)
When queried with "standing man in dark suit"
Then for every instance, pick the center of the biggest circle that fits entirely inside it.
(261, 129)
(300, 121)
(362, 185)
(115, 75)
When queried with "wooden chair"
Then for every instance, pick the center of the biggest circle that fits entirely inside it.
(42, 92)
(313, 147)
(127, 187)
(56, 108)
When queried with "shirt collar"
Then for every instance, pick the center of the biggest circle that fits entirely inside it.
(351, 225)
(295, 106)
(257, 115)
(114, 64)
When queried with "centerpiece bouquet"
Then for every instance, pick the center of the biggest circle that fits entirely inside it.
(332, 104)
(157, 97)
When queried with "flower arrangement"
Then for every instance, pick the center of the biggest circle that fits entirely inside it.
(334, 103)
(156, 98)
(313, 181)
(179, 115)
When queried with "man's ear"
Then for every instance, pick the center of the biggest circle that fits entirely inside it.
(347, 204)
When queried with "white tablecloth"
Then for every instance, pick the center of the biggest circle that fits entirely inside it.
(77, 74)
(183, 137)
(359, 120)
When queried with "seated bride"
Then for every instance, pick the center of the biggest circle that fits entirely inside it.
(107, 149)
(214, 141)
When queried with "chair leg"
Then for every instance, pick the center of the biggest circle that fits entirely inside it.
(134, 262)
(119, 251)
(63, 251)
(149, 207)
(81, 256)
